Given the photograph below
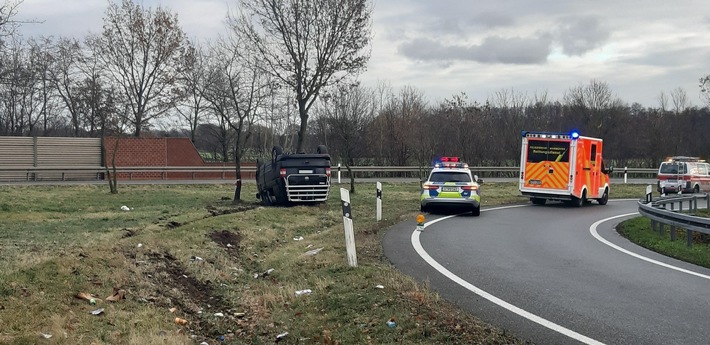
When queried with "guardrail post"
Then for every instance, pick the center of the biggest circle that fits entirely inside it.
(378, 186)
(672, 207)
(680, 206)
(661, 228)
(348, 227)
(690, 237)
(653, 225)
(672, 232)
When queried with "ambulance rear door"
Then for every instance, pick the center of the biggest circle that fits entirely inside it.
(547, 166)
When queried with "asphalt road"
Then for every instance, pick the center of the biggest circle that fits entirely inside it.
(551, 274)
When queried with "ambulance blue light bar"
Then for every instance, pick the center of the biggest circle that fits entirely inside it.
(547, 135)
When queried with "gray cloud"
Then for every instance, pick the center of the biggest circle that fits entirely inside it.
(494, 49)
(581, 35)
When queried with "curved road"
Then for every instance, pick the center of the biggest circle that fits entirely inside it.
(557, 275)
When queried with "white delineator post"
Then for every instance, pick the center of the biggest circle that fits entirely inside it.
(379, 201)
(626, 170)
(348, 226)
(338, 173)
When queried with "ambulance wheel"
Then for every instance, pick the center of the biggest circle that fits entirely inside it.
(538, 201)
(476, 211)
(578, 202)
(696, 190)
(605, 198)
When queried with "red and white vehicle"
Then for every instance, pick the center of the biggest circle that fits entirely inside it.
(682, 174)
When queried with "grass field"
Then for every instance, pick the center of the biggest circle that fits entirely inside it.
(183, 251)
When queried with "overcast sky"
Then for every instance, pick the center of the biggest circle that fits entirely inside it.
(445, 47)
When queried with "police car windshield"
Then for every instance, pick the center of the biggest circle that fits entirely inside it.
(449, 176)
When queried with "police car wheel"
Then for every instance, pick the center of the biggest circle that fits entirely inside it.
(423, 208)
(476, 211)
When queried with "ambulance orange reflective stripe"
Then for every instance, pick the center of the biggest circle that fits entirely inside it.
(541, 171)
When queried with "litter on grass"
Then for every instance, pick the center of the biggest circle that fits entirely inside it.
(97, 311)
(125, 208)
(313, 252)
(303, 292)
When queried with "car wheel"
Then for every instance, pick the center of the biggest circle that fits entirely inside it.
(423, 208)
(696, 189)
(476, 211)
(605, 198)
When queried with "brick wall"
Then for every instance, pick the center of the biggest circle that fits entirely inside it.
(162, 152)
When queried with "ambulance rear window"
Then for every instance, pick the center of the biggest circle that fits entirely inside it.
(672, 168)
(450, 176)
(555, 151)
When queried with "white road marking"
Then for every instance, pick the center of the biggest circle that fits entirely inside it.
(593, 231)
(458, 280)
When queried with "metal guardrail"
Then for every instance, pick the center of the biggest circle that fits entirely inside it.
(659, 214)
(32, 173)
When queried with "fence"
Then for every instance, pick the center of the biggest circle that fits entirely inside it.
(659, 214)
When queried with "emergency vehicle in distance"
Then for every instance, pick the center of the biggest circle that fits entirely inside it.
(450, 183)
(563, 166)
(681, 174)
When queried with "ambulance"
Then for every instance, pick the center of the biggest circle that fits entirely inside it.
(564, 167)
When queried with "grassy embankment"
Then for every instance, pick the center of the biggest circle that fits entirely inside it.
(186, 247)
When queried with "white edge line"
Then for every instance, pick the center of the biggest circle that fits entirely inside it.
(458, 280)
(593, 231)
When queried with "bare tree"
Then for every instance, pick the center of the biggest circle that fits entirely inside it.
(236, 89)
(142, 52)
(308, 45)
(680, 100)
(347, 115)
(191, 107)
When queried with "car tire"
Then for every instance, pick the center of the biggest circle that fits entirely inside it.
(605, 197)
(423, 208)
(476, 211)
(696, 189)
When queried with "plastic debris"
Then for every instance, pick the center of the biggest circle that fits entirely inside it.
(85, 296)
(281, 336)
(118, 294)
(139, 245)
(204, 343)
(173, 309)
(299, 238)
(45, 335)
(97, 311)
(303, 292)
(219, 314)
(125, 208)
(180, 321)
(379, 287)
(197, 258)
(313, 252)
(391, 323)
(240, 315)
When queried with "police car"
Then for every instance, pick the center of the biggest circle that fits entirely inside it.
(451, 183)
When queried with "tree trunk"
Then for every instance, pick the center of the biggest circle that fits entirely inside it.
(111, 175)
(238, 173)
(303, 114)
(352, 177)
